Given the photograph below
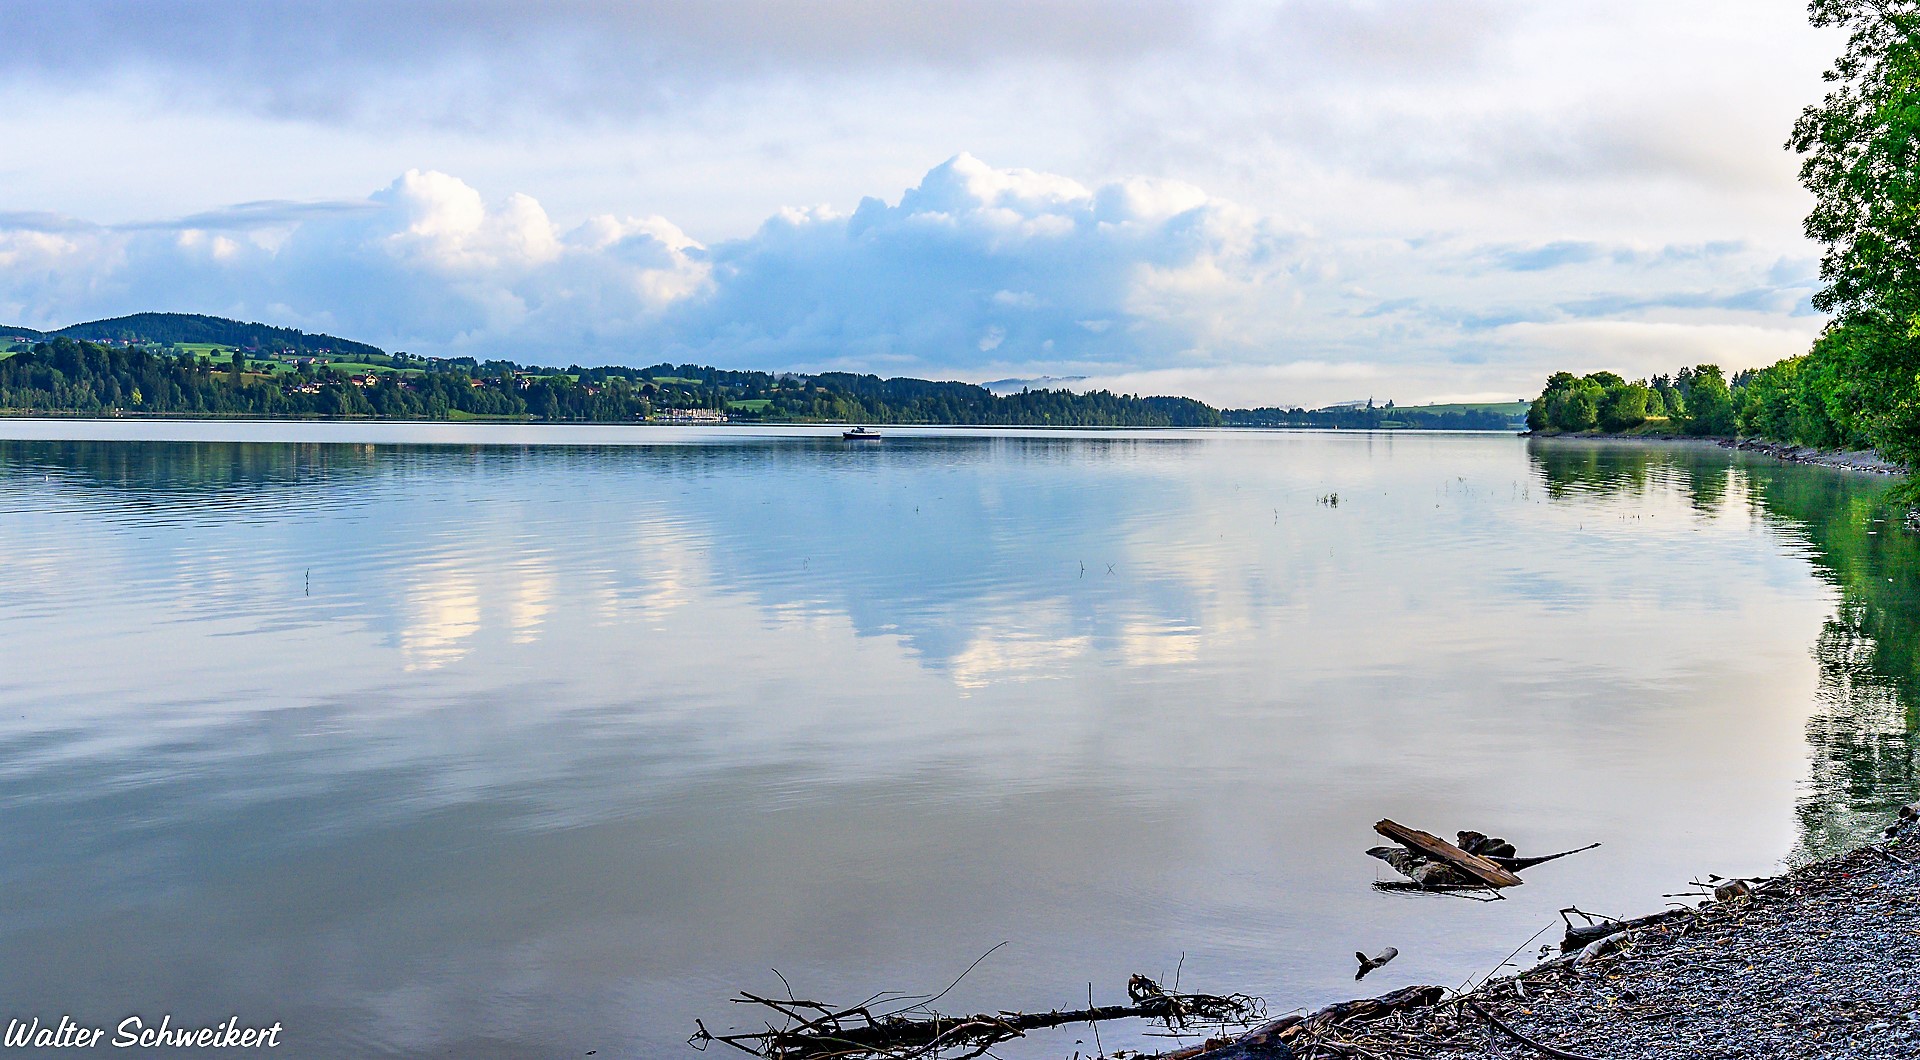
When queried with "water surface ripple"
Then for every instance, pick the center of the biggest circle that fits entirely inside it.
(428, 740)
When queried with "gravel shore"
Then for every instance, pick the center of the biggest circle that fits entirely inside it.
(1821, 962)
(1865, 460)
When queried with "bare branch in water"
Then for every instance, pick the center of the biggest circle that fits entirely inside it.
(808, 1030)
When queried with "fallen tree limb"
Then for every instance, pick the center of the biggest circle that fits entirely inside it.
(809, 1030)
(1580, 936)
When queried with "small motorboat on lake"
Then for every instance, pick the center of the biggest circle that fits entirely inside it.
(861, 434)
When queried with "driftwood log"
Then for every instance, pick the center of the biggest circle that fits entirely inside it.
(1580, 936)
(1477, 863)
(1432, 846)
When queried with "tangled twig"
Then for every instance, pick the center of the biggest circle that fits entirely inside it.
(809, 1030)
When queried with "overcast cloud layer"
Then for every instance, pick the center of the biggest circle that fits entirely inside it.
(1302, 201)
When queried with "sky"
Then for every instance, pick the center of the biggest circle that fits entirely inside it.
(1283, 202)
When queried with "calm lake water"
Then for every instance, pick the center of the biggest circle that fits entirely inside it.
(527, 742)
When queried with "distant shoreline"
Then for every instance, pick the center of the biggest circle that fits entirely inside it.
(55, 416)
(1863, 461)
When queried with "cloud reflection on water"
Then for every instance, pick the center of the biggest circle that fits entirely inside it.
(584, 737)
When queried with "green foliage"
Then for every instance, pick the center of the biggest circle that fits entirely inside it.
(1860, 148)
(1537, 415)
(1710, 410)
(1768, 405)
(1572, 404)
(1625, 406)
(1578, 408)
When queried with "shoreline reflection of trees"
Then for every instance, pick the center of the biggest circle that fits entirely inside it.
(180, 469)
(1863, 738)
(173, 470)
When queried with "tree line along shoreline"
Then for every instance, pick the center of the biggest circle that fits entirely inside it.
(131, 374)
(67, 376)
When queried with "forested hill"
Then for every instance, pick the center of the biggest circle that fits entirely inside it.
(193, 329)
(175, 364)
(62, 375)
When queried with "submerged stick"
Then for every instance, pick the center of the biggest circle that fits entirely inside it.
(1516, 864)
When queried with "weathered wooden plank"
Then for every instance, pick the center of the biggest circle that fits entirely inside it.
(1439, 849)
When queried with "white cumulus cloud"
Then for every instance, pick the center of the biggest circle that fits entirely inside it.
(975, 272)
(973, 261)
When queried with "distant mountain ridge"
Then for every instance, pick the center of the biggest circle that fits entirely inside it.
(1008, 387)
(198, 328)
